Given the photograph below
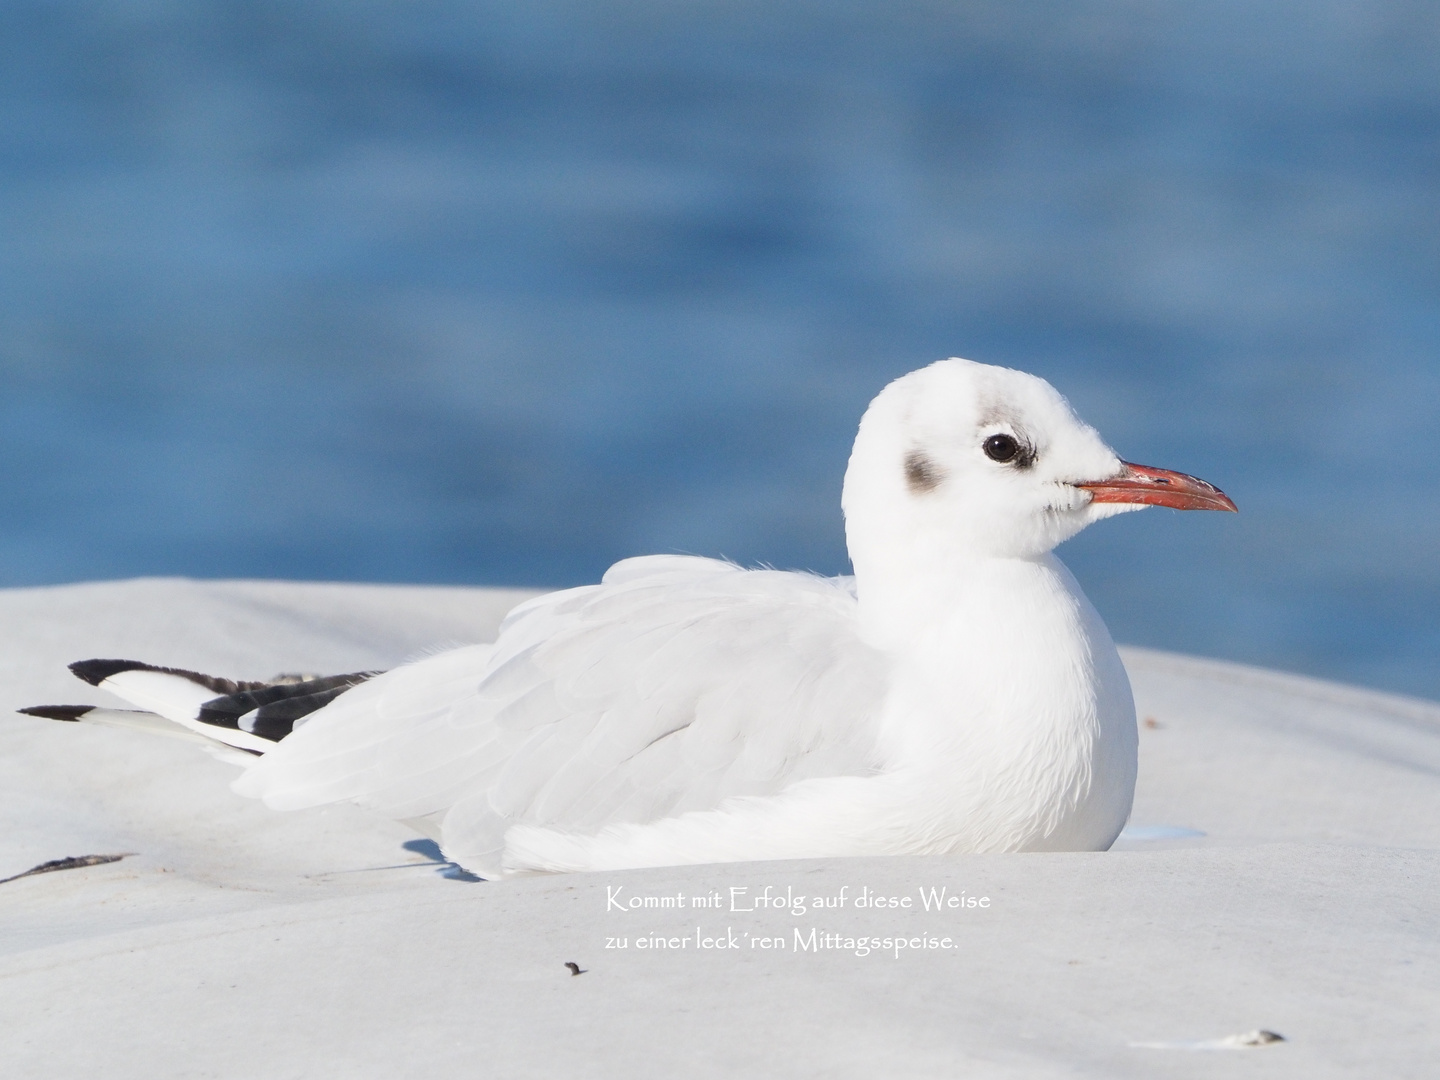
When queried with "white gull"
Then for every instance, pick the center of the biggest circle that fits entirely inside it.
(959, 694)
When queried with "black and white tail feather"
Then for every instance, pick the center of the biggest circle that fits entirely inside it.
(225, 715)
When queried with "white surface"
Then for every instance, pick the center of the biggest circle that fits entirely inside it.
(239, 942)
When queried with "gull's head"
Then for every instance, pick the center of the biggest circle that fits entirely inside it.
(961, 459)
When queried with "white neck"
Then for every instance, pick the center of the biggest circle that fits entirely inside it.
(992, 639)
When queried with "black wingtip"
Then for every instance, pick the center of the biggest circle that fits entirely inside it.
(97, 671)
(71, 713)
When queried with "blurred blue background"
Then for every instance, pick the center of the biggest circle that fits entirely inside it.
(499, 293)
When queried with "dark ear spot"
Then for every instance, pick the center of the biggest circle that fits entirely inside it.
(921, 473)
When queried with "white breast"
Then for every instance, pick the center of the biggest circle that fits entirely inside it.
(1014, 716)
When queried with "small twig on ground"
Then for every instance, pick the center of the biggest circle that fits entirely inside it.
(74, 862)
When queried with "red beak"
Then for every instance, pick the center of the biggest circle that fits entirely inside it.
(1159, 487)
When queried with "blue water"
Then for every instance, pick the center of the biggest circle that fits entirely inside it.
(499, 293)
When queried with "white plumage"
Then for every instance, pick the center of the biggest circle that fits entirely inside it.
(958, 694)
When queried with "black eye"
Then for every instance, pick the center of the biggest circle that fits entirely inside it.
(1001, 447)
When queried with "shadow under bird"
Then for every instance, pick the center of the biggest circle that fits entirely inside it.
(958, 694)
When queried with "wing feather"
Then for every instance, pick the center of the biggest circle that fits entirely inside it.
(676, 683)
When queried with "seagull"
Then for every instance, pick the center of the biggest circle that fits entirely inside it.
(958, 694)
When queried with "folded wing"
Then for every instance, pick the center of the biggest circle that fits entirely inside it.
(674, 684)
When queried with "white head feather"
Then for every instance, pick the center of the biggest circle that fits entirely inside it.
(924, 500)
